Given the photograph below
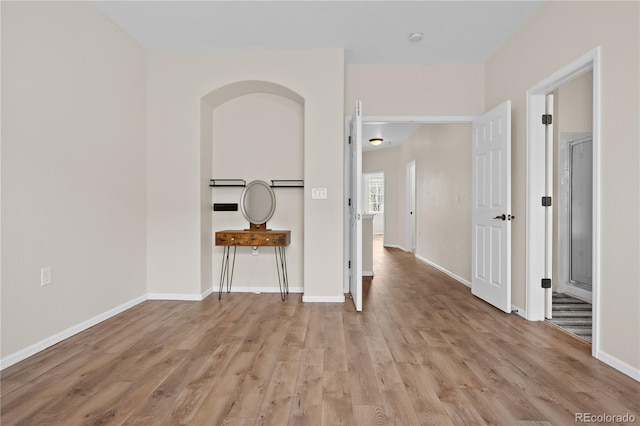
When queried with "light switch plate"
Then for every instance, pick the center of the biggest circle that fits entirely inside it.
(45, 276)
(318, 193)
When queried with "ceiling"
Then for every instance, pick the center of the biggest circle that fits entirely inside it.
(393, 134)
(371, 32)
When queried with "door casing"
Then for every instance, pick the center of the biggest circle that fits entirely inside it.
(536, 241)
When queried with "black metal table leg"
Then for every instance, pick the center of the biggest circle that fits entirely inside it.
(281, 266)
(225, 274)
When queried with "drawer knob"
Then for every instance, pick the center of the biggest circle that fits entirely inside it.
(232, 239)
(267, 239)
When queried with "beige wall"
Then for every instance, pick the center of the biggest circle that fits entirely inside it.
(73, 169)
(176, 83)
(443, 184)
(573, 108)
(409, 90)
(271, 147)
(574, 28)
(442, 153)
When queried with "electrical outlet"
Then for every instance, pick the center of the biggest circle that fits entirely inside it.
(254, 250)
(318, 193)
(45, 276)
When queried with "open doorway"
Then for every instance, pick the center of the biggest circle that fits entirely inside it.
(441, 148)
(540, 244)
(572, 217)
(427, 179)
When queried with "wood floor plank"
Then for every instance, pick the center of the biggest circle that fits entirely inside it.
(207, 371)
(364, 389)
(335, 357)
(306, 406)
(276, 404)
(336, 399)
(426, 404)
(423, 352)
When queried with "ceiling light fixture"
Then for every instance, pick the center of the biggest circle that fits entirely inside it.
(415, 37)
(375, 141)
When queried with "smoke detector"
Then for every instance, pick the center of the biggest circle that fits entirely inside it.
(415, 37)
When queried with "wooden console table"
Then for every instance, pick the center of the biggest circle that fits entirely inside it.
(279, 240)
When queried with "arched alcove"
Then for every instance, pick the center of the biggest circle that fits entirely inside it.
(251, 130)
(223, 94)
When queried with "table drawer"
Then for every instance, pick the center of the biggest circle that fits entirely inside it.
(233, 239)
(270, 239)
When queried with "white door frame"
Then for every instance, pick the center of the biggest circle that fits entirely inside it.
(535, 187)
(371, 119)
(411, 217)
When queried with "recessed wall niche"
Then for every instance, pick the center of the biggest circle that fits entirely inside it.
(260, 136)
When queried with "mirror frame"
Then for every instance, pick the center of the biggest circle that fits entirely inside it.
(261, 223)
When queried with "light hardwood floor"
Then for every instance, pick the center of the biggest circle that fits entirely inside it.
(424, 351)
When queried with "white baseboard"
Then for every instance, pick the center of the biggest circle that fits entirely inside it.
(187, 297)
(441, 269)
(519, 311)
(323, 299)
(25, 353)
(367, 273)
(255, 289)
(621, 366)
(396, 246)
(206, 293)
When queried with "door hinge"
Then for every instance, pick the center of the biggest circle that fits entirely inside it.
(349, 140)
(546, 283)
(547, 119)
(349, 264)
(546, 201)
(349, 201)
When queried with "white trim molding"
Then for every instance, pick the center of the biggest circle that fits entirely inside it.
(43, 344)
(446, 271)
(323, 299)
(258, 290)
(367, 273)
(186, 297)
(619, 365)
(397, 246)
(425, 119)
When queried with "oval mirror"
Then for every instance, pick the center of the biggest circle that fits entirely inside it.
(258, 202)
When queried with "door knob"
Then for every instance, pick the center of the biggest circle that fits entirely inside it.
(502, 216)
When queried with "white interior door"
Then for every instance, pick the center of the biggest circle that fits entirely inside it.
(491, 208)
(356, 210)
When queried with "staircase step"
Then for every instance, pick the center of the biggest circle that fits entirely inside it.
(572, 315)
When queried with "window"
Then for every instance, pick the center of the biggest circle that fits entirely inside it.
(375, 192)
